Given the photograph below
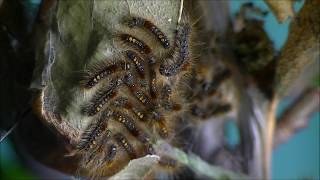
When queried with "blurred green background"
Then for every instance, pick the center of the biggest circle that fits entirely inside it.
(296, 159)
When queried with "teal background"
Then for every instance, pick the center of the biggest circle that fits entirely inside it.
(299, 157)
(296, 159)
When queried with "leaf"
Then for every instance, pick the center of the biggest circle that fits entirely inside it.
(81, 33)
(137, 168)
(282, 9)
(301, 48)
(197, 165)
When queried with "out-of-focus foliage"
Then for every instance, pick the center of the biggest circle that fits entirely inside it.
(9, 164)
(302, 46)
(281, 8)
(316, 81)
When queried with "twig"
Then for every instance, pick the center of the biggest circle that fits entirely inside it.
(271, 121)
(197, 165)
(297, 116)
(18, 120)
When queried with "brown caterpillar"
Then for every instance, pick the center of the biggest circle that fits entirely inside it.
(124, 103)
(180, 55)
(127, 122)
(101, 98)
(140, 95)
(141, 22)
(153, 83)
(122, 140)
(89, 138)
(136, 43)
(145, 139)
(138, 62)
(101, 70)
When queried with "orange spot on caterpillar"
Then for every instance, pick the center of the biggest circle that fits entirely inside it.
(160, 124)
(136, 43)
(141, 22)
(153, 84)
(166, 92)
(100, 71)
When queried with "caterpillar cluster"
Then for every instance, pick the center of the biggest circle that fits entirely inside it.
(134, 103)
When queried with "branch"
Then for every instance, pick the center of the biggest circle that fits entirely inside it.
(197, 165)
(297, 116)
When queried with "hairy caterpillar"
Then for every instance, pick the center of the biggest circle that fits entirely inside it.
(180, 54)
(122, 141)
(95, 130)
(99, 71)
(101, 98)
(138, 62)
(136, 43)
(141, 22)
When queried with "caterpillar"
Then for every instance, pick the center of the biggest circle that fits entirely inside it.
(180, 53)
(99, 71)
(89, 138)
(101, 98)
(136, 43)
(138, 62)
(124, 103)
(122, 141)
(140, 95)
(127, 122)
(141, 22)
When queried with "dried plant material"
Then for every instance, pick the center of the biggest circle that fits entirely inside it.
(281, 8)
(138, 168)
(199, 166)
(301, 48)
(297, 115)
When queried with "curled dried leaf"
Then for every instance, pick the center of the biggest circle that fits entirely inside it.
(281, 9)
(301, 48)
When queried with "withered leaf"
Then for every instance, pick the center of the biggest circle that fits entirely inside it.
(301, 48)
(282, 9)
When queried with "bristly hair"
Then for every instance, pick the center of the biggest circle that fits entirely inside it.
(95, 130)
(101, 70)
(148, 25)
(102, 97)
(180, 53)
